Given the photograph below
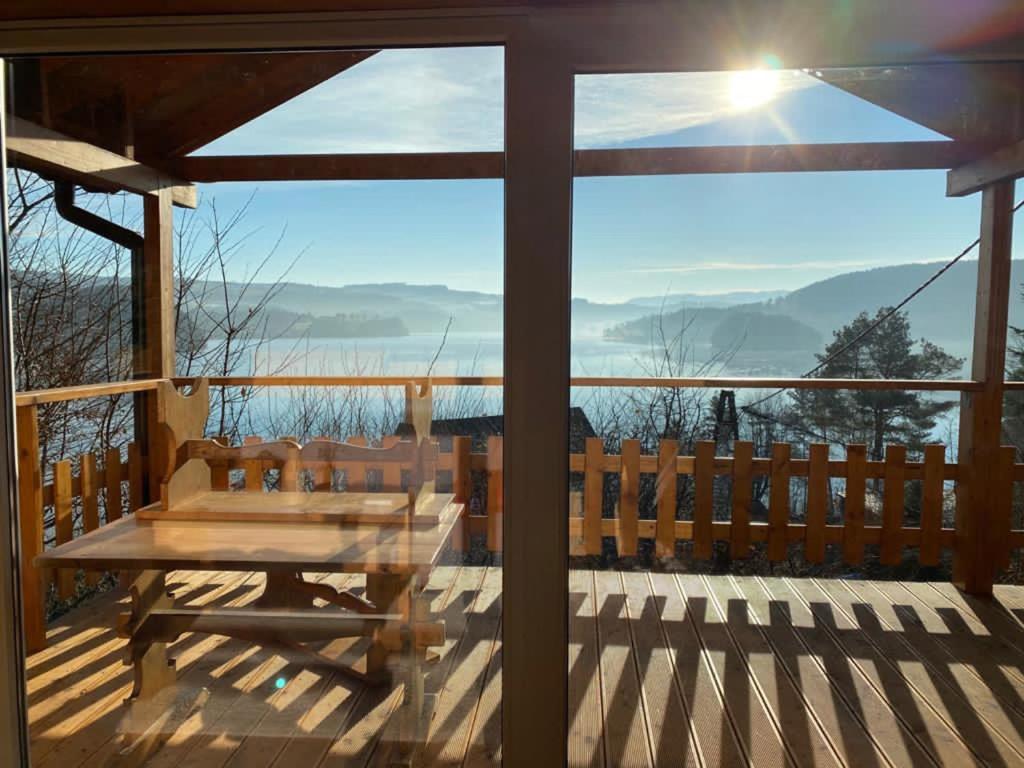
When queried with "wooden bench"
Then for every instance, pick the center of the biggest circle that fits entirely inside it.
(395, 537)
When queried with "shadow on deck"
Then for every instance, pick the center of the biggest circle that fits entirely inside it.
(664, 670)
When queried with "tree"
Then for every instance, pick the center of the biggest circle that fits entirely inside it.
(876, 417)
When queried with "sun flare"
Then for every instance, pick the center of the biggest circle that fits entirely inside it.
(753, 87)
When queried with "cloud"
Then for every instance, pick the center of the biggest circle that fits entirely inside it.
(452, 99)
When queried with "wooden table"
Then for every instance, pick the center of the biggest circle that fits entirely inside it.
(397, 559)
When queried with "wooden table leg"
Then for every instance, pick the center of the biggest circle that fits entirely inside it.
(390, 593)
(152, 697)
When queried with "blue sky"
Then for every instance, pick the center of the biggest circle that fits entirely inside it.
(632, 236)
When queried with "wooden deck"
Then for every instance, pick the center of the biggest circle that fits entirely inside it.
(664, 670)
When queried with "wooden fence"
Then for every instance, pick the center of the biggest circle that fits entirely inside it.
(664, 497)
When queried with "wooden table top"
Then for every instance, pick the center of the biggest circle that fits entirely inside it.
(317, 507)
(136, 544)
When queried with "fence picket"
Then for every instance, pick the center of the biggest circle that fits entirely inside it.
(703, 492)
(495, 494)
(931, 503)
(778, 502)
(853, 507)
(135, 477)
(90, 504)
(593, 494)
(665, 530)
(742, 482)
(892, 505)
(817, 502)
(64, 526)
(112, 482)
(627, 526)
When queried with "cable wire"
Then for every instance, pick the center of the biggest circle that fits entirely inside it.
(880, 321)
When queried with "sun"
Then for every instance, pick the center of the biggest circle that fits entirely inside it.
(753, 87)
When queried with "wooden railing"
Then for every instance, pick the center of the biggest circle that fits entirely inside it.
(476, 480)
(663, 497)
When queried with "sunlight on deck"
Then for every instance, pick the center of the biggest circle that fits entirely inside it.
(663, 668)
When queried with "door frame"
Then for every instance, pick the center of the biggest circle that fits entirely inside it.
(538, 188)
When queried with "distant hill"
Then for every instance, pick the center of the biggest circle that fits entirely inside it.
(296, 307)
(943, 313)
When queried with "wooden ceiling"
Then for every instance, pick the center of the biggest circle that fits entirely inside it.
(158, 107)
(978, 102)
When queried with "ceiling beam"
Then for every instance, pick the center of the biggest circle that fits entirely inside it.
(784, 158)
(51, 154)
(1003, 164)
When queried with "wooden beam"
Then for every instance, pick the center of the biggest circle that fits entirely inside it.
(1002, 165)
(83, 391)
(538, 237)
(779, 158)
(53, 154)
(351, 167)
(157, 354)
(791, 158)
(154, 356)
(981, 412)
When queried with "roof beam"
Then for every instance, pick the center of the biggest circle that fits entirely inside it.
(778, 158)
(1002, 165)
(51, 154)
(791, 158)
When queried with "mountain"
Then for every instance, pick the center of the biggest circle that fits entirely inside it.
(803, 320)
(427, 308)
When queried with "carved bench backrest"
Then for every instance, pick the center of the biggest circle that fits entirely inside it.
(189, 456)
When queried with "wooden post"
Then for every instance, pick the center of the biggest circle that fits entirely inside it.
(30, 508)
(981, 412)
(153, 284)
(538, 235)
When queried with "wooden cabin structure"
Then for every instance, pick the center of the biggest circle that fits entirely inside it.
(553, 664)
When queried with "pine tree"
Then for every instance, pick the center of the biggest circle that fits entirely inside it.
(876, 417)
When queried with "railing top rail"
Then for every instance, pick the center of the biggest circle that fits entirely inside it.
(84, 391)
(710, 382)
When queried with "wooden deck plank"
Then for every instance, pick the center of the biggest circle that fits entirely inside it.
(983, 617)
(286, 706)
(665, 670)
(990, 725)
(239, 677)
(485, 740)
(586, 746)
(987, 644)
(905, 701)
(668, 722)
(63, 689)
(716, 742)
(846, 732)
(93, 730)
(891, 629)
(755, 728)
(812, 619)
(783, 701)
(625, 730)
(456, 707)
